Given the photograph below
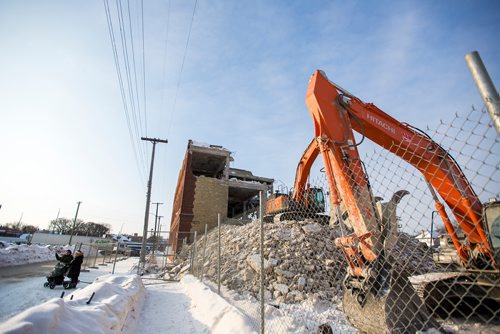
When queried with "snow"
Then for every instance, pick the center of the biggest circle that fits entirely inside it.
(23, 254)
(122, 303)
(115, 297)
(214, 311)
(299, 318)
(127, 303)
(164, 311)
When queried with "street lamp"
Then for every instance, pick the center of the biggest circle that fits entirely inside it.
(74, 222)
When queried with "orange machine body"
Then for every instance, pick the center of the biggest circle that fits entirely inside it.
(335, 114)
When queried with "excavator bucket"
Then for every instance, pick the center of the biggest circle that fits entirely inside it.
(391, 305)
(398, 309)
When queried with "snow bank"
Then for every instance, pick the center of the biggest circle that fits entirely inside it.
(212, 310)
(14, 255)
(115, 298)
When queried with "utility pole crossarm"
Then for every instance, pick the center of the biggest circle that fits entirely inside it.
(155, 140)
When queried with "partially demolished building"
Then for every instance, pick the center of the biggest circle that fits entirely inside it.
(207, 186)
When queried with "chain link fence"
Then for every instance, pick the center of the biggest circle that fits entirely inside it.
(98, 255)
(427, 259)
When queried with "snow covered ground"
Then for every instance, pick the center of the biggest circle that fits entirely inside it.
(120, 302)
(12, 254)
(127, 303)
(113, 299)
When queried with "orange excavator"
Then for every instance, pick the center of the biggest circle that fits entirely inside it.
(304, 201)
(378, 297)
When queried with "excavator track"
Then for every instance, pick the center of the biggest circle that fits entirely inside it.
(398, 309)
(297, 215)
(460, 294)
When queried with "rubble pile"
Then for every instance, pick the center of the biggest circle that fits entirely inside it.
(300, 260)
(413, 256)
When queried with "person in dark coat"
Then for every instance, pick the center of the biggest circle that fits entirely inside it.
(74, 269)
(66, 258)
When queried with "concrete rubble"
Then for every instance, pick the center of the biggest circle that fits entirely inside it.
(301, 260)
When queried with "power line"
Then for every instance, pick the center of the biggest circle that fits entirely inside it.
(144, 69)
(122, 88)
(125, 53)
(134, 63)
(164, 68)
(182, 68)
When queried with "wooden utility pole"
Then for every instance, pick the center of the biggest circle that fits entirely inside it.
(148, 200)
(74, 222)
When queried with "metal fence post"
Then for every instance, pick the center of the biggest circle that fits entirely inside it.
(104, 258)
(204, 252)
(165, 252)
(261, 221)
(218, 254)
(193, 259)
(116, 255)
(87, 259)
(95, 259)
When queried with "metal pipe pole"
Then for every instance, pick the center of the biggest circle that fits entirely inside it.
(485, 86)
(218, 254)
(432, 227)
(261, 221)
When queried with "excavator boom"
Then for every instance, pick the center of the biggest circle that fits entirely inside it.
(336, 113)
(373, 288)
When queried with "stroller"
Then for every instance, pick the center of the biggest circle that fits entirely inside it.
(56, 276)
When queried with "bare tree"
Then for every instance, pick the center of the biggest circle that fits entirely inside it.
(61, 225)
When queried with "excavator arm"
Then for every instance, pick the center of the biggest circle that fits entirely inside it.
(373, 286)
(303, 169)
(336, 113)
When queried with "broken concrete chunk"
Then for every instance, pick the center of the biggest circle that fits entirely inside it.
(283, 288)
(312, 228)
(309, 267)
(253, 261)
(329, 262)
(285, 234)
(301, 283)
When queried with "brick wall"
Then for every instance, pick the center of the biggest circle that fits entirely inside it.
(210, 198)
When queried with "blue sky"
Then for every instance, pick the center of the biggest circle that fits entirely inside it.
(63, 130)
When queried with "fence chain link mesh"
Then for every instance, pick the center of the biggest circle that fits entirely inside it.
(419, 278)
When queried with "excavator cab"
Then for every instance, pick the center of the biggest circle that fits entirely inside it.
(491, 214)
(311, 204)
(315, 200)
